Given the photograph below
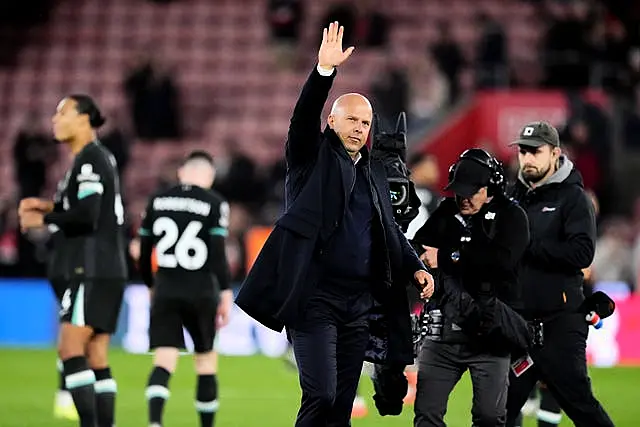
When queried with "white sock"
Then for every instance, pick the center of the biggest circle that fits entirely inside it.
(64, 398)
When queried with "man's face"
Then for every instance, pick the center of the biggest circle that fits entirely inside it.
(536, 163)
(351, 121)
(472, 205)
(66, 120)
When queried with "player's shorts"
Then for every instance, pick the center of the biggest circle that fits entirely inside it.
(94, 303)
(169, 315)
(59, 286)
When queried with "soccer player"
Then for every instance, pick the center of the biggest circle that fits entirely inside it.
(187, 226)
(88, 211)
(57, 273)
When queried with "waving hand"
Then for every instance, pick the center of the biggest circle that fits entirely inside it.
(330, 53)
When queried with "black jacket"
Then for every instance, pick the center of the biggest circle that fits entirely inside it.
(563, 234)
(319, 178)
(477, 288)
(499, 235)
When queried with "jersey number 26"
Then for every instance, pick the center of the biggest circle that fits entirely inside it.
(189, 251)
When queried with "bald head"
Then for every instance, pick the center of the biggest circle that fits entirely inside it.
(350, 118)
(349, 101)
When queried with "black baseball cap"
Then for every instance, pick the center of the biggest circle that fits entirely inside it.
(535, 134)
(469, 176)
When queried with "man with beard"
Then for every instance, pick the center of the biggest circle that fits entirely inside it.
(563, 234)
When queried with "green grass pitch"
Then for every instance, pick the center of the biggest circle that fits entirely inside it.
(254, 391)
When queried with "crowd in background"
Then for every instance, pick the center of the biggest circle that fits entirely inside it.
(587, 44)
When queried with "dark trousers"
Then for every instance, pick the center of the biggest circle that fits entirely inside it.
(440, 367)
(562, 365)
(329, 346)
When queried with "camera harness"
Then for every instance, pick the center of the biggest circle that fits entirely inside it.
(430, 323)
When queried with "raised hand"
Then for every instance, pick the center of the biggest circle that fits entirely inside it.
(330, 53)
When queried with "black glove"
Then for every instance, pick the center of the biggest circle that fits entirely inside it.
(599, 303)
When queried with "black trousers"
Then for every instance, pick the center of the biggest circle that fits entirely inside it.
(440, 367)
(562, 365)
(329, 345)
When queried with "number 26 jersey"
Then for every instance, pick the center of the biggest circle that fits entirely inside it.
(183, 223)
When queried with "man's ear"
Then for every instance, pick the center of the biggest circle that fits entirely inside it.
(557, 151)
(331, 120)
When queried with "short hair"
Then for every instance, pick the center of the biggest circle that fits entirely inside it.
(198, 155)
(86, 105)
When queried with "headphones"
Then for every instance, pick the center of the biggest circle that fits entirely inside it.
(497, 181)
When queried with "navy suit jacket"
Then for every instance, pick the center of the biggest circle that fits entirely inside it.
(320, 175)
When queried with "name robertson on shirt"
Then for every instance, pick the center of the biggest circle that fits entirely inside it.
(182, 204)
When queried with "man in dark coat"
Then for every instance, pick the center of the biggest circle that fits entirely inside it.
(335, 268)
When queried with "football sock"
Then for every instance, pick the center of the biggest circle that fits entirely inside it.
(157, 393)
(207, 399)
(105, 388)
(80, 380)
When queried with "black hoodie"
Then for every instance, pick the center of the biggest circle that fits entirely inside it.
(563, 234)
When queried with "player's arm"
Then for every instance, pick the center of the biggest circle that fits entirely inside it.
(83, 215)
(146, 246)
(218, 261)
(217, 241)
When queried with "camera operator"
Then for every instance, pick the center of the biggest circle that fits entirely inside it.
(474, 242)
(563, 234)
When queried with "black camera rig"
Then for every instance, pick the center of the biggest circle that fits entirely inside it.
(391, 149)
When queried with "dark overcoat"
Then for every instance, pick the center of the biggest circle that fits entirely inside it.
(320, 177)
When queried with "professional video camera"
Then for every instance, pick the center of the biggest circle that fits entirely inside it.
(391, 149)
(390, 383)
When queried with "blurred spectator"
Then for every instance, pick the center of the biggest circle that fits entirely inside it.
(390, 92)
(632, 122)
(611, 65)
(613, 257)
(274, 203)
(32, 152)
(8, 233)
(285, 20)
(425, 176)
(634, 71)
(113, 136)
(577, 140)
(447, 54)
(240, 221)
(364, 23)
(168, 176)
(153, 99)
(241, 183)
(491, 58)
(566, 50)
(429, 93)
